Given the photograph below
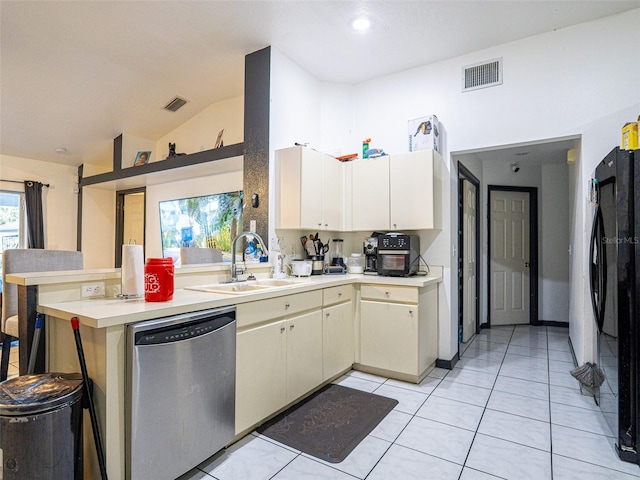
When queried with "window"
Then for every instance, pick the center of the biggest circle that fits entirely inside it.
(210, 221)
(12, 222)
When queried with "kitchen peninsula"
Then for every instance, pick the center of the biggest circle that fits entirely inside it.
(385, 325)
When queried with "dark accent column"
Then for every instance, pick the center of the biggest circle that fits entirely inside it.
(117, 153)
(27, 301)
(257, 73)
(79, 212)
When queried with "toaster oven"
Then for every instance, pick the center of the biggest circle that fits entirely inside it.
(398, 255)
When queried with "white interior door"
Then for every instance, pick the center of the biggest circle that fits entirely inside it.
(469, 218)
(133, 227)
(509, 261)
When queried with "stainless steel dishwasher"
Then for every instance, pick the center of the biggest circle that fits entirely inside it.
(179, 392)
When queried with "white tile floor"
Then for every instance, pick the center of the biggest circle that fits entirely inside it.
(508, 410)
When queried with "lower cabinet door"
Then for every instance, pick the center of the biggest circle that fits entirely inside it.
(389, 336)
(260, 373)
(304, 354)
(337, 339)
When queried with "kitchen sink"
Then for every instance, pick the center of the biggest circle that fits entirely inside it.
(238, 288)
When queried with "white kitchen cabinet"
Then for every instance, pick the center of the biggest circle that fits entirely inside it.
(337, 331)
(260, 373)
(304, 354)
(398, 331)
(279, 354)
(415, 191)
(397, 192)
(309, 190)
(370, 194)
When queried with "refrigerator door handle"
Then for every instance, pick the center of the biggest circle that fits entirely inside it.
(598, 268)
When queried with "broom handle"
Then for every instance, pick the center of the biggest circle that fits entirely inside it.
(92, 409)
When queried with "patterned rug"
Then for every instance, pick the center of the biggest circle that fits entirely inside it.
(330, 423)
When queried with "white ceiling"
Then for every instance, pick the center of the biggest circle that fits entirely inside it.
(76, 74)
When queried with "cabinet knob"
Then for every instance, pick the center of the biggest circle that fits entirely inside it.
(328, 315)
(320, 224)
(411, 313)
(326, 224)
(339, 294)
(386, 294)
(291, 326)
(281, 329)
(287, 305)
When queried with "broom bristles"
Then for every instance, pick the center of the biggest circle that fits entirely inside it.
(589, 374)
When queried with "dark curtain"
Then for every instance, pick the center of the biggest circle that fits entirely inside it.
(35, 222)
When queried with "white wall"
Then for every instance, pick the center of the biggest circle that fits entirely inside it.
(200, 132)
(60, 202)
(557, 84)
(98, 227)
(554, 243)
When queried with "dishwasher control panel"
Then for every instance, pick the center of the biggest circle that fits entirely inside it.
(181, 332)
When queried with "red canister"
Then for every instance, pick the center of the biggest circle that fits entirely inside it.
(158, 279)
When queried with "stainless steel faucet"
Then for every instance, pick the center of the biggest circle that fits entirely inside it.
(234, 268)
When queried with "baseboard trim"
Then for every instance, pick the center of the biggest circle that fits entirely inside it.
(447, 364)
(550, 323)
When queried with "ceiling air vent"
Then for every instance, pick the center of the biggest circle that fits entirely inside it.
(175, 104)
(482, 75)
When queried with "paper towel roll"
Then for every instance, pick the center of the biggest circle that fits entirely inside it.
(132, 270)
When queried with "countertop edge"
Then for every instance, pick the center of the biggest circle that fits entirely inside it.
(109, 312)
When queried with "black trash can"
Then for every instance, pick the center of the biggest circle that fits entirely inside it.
(41, 427)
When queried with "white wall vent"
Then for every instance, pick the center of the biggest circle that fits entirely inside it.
(482, 75)
(175, 104)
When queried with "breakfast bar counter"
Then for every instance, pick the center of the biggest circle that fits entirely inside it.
(103, 325)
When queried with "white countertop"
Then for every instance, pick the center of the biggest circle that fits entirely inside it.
(106, 312)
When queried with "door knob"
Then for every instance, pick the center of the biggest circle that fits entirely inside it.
(526, 264)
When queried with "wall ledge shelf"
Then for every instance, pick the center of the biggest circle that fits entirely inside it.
(171, 169)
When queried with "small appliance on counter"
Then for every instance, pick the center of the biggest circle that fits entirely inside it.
(398, 255)
(355, 263)
(301, 268)
(370, 248)
(317, 264)
(337, 258)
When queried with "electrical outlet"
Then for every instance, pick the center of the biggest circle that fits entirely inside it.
(92, 290)
(252, 226)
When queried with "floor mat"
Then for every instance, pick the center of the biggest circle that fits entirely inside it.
(330, 423)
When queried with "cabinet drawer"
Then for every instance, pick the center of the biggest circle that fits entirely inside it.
(390, 293)
(333, 295)
(272, 308)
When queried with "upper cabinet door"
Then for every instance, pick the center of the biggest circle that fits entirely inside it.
(309, 190)
(370, 194)
(311, 197)
(415, 191)
(332, 194)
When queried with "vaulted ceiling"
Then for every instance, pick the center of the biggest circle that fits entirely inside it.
(75, 74)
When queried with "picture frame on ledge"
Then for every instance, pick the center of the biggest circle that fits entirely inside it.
(142, 158)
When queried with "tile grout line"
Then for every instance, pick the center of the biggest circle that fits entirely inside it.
(485, 409)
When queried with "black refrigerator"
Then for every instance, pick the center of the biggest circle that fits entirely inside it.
(615, 294)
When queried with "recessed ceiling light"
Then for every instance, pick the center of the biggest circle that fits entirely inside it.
(521, 154)
(61, 150)
(361, 23)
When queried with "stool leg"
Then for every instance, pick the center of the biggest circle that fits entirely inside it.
(6, 350)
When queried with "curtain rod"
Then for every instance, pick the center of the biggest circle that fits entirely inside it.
(18, 181)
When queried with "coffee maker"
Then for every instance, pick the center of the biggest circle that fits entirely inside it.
(370, 247)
